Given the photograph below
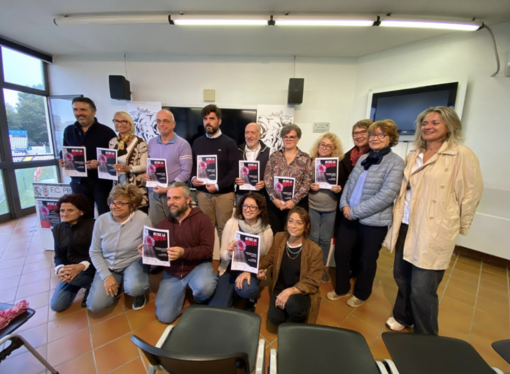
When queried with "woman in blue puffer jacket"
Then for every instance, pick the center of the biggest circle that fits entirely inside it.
(366, 203)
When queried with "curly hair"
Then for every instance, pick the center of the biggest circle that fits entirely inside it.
(388, 127)
(261, 204)
(337, 146)
(79, 201)
(449, 118)
(305, 217)
(126, 191)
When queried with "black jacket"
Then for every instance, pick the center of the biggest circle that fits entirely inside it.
(262, 157)
(72, 243)
(97, 135)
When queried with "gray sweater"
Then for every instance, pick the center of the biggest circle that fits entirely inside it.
(379, 191)
(114, 246)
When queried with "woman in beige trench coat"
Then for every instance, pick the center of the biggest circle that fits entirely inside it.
(441, 189)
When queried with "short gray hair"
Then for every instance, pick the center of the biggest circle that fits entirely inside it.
(187, 191)
(288, 128)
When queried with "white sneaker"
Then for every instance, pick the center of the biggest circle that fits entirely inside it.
(332, 295)
(394, 325)
(354, 302)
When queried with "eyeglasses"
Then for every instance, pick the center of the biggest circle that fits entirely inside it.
(379, 136)
(357, 134)
(250, 207)
(118, 204)
(289, 137)
(117, 122)
(326, 146)
(165, 121)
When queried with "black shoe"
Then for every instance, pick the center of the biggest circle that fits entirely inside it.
(250, 305)
(84, 300)
(139, 302)
(156, 269)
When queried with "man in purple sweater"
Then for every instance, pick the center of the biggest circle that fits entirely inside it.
(216, 199)
(177, 153)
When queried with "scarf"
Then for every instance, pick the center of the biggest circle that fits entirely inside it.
(356, 154)
(256, 229)
(121, 144)
(375, 158)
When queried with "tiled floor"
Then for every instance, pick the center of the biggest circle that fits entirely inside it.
(474, 306)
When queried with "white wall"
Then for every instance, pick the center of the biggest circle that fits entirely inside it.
(487, 107)
(240, 82)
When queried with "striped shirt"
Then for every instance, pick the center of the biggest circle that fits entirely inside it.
(177, 154)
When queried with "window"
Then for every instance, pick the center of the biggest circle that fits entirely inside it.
(22, 70)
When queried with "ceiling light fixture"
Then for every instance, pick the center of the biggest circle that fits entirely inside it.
(325, 20)
(438, 24)
(111, 19)
(212, 20)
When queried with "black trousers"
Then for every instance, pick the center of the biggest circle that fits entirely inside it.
(417, 302)
(278, 218)
(96, 190)
(296, 309)
(368, 239)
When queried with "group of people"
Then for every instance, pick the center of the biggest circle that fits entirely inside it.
(417, 208)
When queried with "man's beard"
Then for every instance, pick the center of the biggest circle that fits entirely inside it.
(176, 213)
(211, 130)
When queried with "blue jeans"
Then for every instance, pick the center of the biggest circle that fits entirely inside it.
(224, 294)
(158, 208)
(417, 302)
(172, 290)
(323, 224)
(134, 279)
(64, 294)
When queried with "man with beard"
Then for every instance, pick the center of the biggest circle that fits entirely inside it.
(87, 132)
(253, 150)
(190, 254)
(216, 199)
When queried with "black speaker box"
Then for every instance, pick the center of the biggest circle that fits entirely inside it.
(296, 87)
(119, 88)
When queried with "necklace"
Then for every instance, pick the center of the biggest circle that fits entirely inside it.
(295, 254)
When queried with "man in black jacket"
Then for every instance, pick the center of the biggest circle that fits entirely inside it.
(216, 199)
(87, 132)
(253, 150)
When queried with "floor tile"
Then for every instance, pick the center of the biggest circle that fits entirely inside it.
(36, 266)
(124, 349)
(112, 311)
(379, 350)
(36, 301)
(66, 326)
(495, 278)
(9, 255)
(75, 307)
(493, 269)
(71, 346)
(139, 318)
(333, 313)
(151, 332)
(8, 283)
(36, 276)
(10, 272)
(40, 317)
(491, 322)
(24, 363)
(133, 367)
(33, 288)
(83, 364)
(109, 330)
(370, 333)
(372, 315)
(8, 264)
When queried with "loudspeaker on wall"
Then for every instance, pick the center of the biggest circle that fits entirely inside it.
(296, 87)
(119, 87)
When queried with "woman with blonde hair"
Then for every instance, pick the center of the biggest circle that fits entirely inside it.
(132, 153)
(441, 189)
(323, 202)
(366, 203)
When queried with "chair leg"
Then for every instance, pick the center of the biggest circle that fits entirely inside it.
(391, 366)
(260, 363)
(33, 351)
(381, 367)
(272, 362)
(497, 371)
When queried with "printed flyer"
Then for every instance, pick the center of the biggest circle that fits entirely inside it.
(284, 188)
(207, 168)
(106, 158)
(156, 170)
(249, 172)
(326, 172)
(155, 243)
(47, 215)
(75, 159)
(247, 253)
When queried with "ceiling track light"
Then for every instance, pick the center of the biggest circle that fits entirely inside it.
(287, 19)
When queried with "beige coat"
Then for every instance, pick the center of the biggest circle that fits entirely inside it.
(311, 269)
(445, 193)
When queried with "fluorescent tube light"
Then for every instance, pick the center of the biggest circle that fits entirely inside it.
(111, 19)
(324, 20)
(204, 20)
(440, 25)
